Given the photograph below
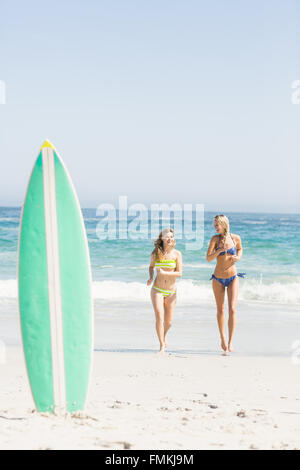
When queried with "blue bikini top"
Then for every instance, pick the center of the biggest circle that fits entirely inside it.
(231, 251)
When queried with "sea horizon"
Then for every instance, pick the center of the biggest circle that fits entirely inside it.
(208, 210)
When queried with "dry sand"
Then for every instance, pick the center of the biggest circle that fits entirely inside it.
(179, 401)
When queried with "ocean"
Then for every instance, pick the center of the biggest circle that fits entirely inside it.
(270, 260)
(269, 299)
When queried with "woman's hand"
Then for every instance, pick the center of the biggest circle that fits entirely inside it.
(234, 258)
(220, 250)
(160, 271)
(149, 282)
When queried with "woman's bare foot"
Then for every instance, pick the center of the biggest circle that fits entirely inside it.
(162, 349)
(230, 347)
(223, 345)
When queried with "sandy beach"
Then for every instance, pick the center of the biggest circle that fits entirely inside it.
(150, 144)
(190, 398)
(179, 401)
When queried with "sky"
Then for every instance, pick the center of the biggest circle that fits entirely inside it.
(163, 101)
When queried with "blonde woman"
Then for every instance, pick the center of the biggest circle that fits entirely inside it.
(168, 264)
(227, 249)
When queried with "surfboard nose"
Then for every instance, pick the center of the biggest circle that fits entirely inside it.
(47, 143)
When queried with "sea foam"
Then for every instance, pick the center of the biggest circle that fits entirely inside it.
(188, 291)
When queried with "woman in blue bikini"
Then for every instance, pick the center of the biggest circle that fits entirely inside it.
(168, 264)
(227, 249)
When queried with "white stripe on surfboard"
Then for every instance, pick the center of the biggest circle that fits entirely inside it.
(55, 307)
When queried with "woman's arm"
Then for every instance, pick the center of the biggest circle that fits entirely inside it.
(178, 270)
(212, 253)
(151, 270)
(239, 248)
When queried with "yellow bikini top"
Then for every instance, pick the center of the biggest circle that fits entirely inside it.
(165, 263)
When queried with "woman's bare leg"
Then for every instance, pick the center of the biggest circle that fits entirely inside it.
(232, 293)
(219, 292)
(158, 305)
(169, 304)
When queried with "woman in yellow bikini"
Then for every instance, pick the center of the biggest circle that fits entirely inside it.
(168, 263)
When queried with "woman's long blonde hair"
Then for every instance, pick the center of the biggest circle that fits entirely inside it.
(224, 222)
(159, 244)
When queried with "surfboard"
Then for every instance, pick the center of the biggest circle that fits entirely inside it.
(54, 285)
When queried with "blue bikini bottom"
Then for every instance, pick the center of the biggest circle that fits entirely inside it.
(226, 282)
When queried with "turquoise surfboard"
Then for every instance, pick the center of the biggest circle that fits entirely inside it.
(54, 282)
